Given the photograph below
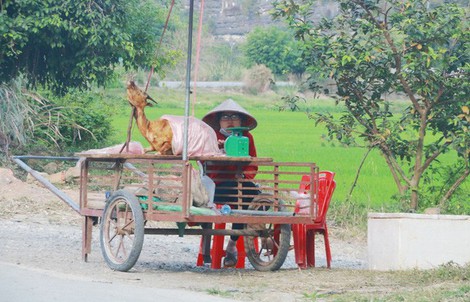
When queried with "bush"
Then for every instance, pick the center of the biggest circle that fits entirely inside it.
(276, 48)
(82, 121)
(35, 124)
(258, 79)
(16, 116)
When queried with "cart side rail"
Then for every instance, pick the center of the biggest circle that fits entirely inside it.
(164, 188)
(67, 199)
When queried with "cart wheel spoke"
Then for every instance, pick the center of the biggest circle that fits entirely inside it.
(122, 231)
(123, 248)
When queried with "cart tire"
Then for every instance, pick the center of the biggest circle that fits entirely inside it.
(122, 231)
(268, 251)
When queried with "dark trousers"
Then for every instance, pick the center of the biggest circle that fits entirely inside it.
(251, 190)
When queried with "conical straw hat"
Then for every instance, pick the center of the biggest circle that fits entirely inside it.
(212, 117)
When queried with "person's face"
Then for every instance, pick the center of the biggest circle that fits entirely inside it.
(230, 119)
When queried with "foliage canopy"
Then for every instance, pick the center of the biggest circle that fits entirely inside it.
(276, 49)
(372, 49)
(74, 43)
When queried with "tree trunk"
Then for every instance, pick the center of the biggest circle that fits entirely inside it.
(418, 166)
(414, 200)
(395, 173)
(414, 192)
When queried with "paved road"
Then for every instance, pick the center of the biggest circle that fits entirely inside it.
(21, 284)
(180, 84)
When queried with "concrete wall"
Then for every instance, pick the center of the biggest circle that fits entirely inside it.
(406, 241)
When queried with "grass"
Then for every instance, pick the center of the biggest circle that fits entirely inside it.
(218, 292)
(292, 137)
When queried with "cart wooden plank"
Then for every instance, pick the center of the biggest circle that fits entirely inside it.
(98, 156)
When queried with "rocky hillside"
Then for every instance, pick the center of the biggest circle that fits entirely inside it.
(235, 18)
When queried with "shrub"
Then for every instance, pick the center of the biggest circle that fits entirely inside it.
(36, 124)
(258, 79)
(82, 122)
(16, 116)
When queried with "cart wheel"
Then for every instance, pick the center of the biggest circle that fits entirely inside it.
(268, 251)
(122, 231)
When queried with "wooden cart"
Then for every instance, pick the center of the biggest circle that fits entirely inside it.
(130, 195)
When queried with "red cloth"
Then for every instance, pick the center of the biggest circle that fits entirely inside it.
(249, 171)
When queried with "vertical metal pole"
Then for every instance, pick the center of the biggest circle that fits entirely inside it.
(188, 79)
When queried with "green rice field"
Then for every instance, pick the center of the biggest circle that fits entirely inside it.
(286, 136)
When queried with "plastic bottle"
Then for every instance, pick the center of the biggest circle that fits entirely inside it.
(225, 210)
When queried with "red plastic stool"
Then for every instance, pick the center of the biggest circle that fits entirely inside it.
(217, 251)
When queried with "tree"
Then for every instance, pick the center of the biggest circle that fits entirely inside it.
(276, 49)
(372, 49)
(73, 43)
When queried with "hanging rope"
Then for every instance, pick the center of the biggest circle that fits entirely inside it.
(133, 112)
(198, 52)
(160, 42)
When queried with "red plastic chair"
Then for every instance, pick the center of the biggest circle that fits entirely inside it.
(217, 251)
(304, 234)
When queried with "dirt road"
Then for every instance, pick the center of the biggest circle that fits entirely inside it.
(42, 235)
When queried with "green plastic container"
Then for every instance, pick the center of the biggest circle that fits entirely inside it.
(236, 144)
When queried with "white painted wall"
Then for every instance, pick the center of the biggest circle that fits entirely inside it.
(398, 241)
